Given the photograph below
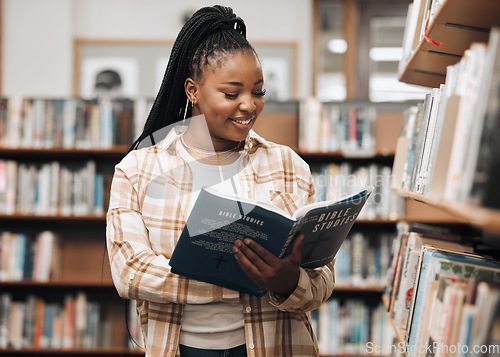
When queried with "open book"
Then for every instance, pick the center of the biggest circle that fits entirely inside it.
(205, 248)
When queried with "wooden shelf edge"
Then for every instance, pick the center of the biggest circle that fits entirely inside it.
(486, 219)
(57, 284)
(399, 332)
(119, 149)
(441, 28)
(352, 288)
(119, 351)
(380, 154)
(30, 217)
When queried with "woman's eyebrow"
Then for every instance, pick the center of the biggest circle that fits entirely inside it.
(239, 84)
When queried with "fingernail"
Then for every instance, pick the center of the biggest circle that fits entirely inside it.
(248, 241)
(238, 243)
(236, 250)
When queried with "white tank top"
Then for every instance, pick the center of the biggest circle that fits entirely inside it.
(215, 325)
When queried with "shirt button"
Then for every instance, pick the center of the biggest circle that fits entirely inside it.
(251, 346)
(248, 309)
(131, 276)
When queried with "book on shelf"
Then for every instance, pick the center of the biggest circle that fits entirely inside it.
(67, 123)
(411, 36)
(346, 128)
(333, 181)
(352, 326)
(52, 188)
(404, 154)
(418, 232)
(483, 165)
(421, 134)
(27, 256)
(38, 322)
(205, 248)
(454, 138)
(412, 133)
(409, 264)
(457, 267)
(471, 68)
(363, 259)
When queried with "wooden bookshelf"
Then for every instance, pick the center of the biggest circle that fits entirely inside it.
(486, 219)
(58, 153)
(56, 219)
(399, 332)
(57, 285)
(115, 351)
(359, 289)
(381, 156)
(456, 25)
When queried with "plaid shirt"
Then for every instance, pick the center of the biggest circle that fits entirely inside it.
(150, 196)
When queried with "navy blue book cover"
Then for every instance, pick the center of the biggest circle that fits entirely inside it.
(205, 248)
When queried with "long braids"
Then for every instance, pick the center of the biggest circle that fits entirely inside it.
(210, 31)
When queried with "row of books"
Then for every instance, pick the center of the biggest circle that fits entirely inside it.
(351, 327)
(52, 188)
(67, 122)
(448, 148)
(444, 296)
(331, 128)
(334, 181)
(419, 17)
(29, 256)
(363, 259)
(39, 323)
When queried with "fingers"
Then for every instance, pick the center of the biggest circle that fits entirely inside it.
(265, 269)
(255, 253)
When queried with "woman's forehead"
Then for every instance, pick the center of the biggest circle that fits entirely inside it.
(238, 64)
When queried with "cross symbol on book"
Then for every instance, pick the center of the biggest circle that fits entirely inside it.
(219, 261)
(321, 238)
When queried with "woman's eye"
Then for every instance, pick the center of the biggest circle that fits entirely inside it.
(231, 96)
(260, 94)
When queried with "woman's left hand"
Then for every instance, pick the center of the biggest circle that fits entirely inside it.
(278, 275)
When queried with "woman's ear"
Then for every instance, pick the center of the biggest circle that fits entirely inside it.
(191, 88)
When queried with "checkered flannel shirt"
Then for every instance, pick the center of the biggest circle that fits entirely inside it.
(150, 196)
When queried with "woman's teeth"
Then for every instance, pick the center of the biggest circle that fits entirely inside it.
(243, 121)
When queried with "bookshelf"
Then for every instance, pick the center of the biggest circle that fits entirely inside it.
(83, 252)
(456, 25)
(462, 28)
(486, 219)
(79, 268)
(386, 129)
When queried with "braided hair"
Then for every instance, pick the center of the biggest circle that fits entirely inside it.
(209, 33)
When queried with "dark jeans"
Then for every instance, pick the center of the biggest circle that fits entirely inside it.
(240, 351)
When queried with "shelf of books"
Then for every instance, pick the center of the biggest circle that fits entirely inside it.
(438, 33)
(64, 228)
(447, 152)
(56, 162)
(442, 293)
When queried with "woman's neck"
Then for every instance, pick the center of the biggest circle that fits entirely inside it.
(198, 137)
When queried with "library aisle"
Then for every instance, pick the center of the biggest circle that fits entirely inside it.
(419, 273)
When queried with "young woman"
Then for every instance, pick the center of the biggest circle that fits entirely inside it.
(215, 77)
